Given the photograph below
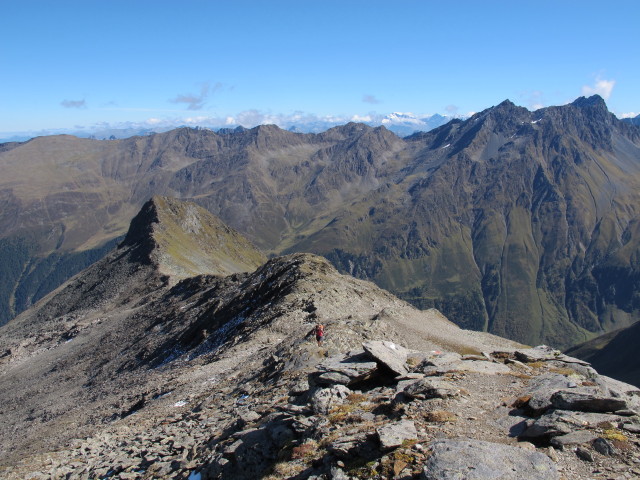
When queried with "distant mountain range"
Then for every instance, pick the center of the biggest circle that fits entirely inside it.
(401, 124)
(524, 224)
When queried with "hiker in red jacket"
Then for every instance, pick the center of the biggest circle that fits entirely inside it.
(319, 332)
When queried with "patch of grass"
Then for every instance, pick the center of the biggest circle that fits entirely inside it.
(614, 434)
(536, 364)
(306, 451)
(285, 470)
(440, 416)
(361, 468)
(567, 372)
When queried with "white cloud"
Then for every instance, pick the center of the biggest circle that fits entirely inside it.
(361, 119)
(628, 115)
(602, 87)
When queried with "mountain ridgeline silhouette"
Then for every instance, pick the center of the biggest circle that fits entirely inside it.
(524, 224)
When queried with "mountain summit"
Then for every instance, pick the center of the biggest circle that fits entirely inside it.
(184, 240)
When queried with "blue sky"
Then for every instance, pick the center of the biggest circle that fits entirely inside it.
(69, 64)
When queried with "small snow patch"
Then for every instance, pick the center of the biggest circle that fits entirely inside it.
(536, 121)
(447, 145)
(181, 403)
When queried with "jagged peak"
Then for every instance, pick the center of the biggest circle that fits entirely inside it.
(183, 239)
(592, 101)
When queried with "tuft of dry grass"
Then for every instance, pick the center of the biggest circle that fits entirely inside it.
(440, 416)
(305, 451)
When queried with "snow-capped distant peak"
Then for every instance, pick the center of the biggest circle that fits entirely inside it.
(401, 117)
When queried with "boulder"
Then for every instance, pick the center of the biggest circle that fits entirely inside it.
(586, 402)
(325, 399)
(562, 422)
(478, 460)
(576, 437)
(395, 434)
(604, 447)
(346, 369)
(389, 354)
(431, 388)
(543, 353)
(542, 388)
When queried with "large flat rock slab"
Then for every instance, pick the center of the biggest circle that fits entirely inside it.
(391, 355)
(478, 460)
(395, 434)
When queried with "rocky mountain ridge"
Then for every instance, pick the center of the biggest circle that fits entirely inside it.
(539, 209)
(126, 372)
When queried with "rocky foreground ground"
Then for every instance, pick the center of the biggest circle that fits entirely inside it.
(382, 411)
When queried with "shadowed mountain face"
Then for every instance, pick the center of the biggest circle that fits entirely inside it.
(520, 223)
(614, 353)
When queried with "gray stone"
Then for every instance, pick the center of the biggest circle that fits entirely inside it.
(604, 447)
(562, 422)
(456, 459)
(586, 402)
(333, 378)
(483, 366)
(325, 399)
(576, 437)
(393, 435)
(584, 454)
(632, 426)
(543, 387)
(338, 474)
(543, 353)
(345, 447)
(300, 387)
(431, 388)
(352, 366)
(391, 355)
(440, 363)
(549, 425)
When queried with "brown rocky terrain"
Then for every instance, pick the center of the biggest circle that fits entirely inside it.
(134, 370)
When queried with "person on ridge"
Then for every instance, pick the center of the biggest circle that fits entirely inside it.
(319, 331)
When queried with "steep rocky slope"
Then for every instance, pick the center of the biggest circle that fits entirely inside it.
(128, 372)
(520, 223)
(614, 353)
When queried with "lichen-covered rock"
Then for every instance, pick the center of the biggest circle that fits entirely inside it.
(325, 399)
(394, 434)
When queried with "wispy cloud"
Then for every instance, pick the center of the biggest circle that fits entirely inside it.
(451, 110)
(370, 99)
(534, 99)
(196, 101)
(601, 87)
(628, 115)
(74, 103)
